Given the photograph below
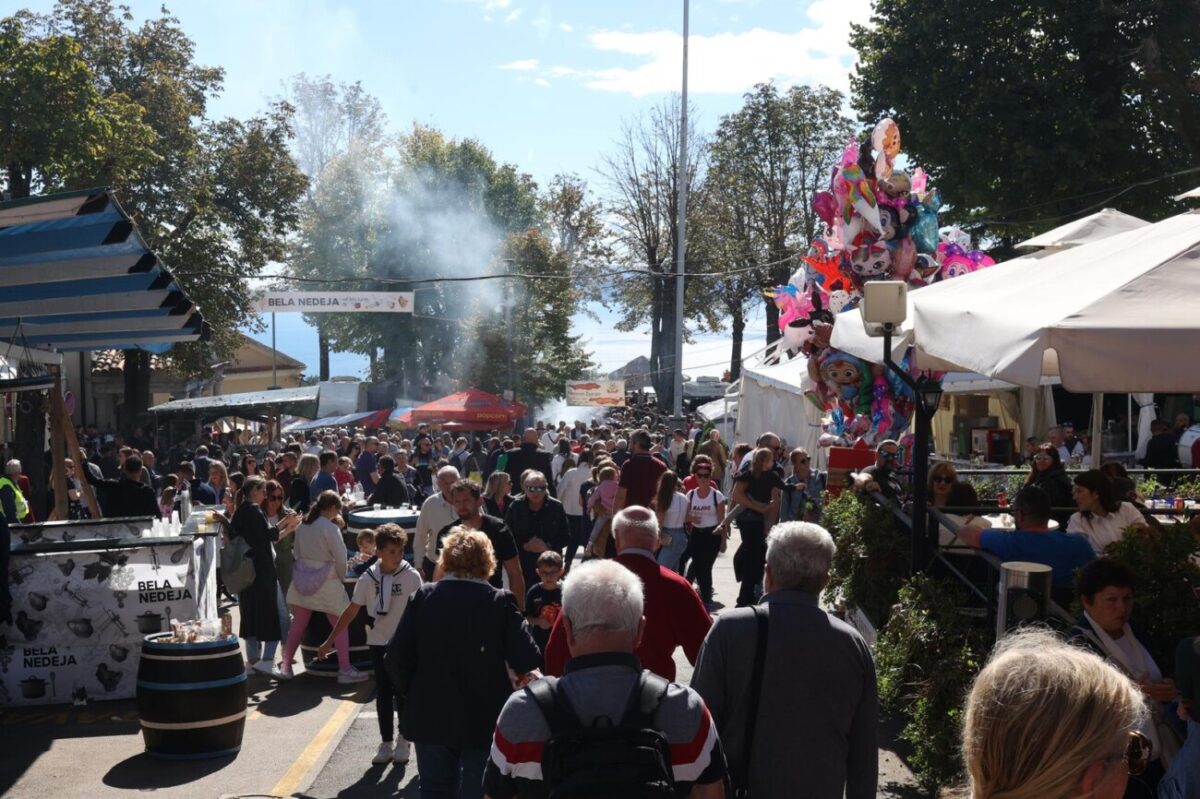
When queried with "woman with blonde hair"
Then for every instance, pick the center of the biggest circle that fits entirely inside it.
(1047, 720)
(298, 494)
(451, 655)
(497, 494)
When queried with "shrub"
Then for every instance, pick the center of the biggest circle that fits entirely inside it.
(987, 485)
(873, 555)
(926, 657)
(1167, 597)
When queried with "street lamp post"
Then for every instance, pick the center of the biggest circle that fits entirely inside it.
(681, 243)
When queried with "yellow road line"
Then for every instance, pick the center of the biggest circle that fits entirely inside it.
(290, 782)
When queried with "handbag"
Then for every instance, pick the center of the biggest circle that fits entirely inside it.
(237, 568)
(308, 580)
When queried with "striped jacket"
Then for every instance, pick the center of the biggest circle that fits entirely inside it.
(599, 685)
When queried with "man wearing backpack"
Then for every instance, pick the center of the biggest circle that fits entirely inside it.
(606, 728)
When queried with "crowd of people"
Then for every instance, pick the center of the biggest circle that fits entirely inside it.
(529, 644)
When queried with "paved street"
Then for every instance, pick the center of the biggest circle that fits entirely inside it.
(308, 738)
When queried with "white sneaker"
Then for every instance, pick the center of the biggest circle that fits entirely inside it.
(383, 755)
(264, 667)
(352, 675)
(283, 672)
(250, 668)
(401, 754)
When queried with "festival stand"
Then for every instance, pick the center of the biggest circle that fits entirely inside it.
(85, 594)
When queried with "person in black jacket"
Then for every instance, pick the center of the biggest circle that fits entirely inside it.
(1162, 450)
(538, 523)
(450, 658)
(259, 605)
(127, 495)
(1047, 473)
(391, 490)
(528, 456)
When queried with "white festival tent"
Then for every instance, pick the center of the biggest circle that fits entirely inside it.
(771, 398)
(1100, 225)
(1118, 314)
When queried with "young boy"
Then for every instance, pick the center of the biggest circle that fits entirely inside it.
(365, 541)
(543, 602)
(383, 590)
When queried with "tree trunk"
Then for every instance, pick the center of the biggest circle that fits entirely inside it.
(772, 322)
(323, 349)
(738, 324)
(137, 388)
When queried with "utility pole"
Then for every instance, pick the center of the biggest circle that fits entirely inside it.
(508, 325)
(681, 244)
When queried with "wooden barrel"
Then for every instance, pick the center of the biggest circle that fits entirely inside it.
(318, 630)
(191, 698)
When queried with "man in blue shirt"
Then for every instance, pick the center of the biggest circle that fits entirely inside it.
(367, 468)
(324, 480)
(1033, 540)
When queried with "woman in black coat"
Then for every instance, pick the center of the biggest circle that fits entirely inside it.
(390, 490)
(298, 492)
(450, 654)
(260, 603)
(1047, 473)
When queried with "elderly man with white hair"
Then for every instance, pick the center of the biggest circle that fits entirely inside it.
(603, 623)
(436, 512)
(675, 616)
(803, 679)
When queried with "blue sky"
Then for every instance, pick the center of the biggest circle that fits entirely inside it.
(545, 85)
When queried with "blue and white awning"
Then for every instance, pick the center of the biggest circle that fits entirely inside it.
(75, 274)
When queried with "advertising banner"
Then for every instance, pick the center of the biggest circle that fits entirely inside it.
(334, 302)
(604, 393)
(79, 619)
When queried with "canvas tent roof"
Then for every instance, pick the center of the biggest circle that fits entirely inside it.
(1100, 225)
(76, 275)
(300, 401)
(1115, 315)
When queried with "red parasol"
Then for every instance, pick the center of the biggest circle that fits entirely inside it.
(471, 407)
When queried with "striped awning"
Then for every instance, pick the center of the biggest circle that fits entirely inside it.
(75, 274)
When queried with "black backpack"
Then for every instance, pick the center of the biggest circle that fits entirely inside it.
(629, 760)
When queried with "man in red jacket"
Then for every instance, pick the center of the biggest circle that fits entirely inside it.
(675, 616)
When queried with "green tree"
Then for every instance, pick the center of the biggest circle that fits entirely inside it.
(543, 353)
(573, 221)
(88, 100)
(1029, 113)
(766, 161)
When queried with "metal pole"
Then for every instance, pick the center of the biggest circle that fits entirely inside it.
(681, 244)
(508, 325)
(922, 544)
(274, 374)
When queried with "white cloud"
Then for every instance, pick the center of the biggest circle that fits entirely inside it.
(729, 63)
(545, 84)
(514, 15)
(566, 27)
(525, 65)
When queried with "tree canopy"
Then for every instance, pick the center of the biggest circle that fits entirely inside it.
(1032, 112)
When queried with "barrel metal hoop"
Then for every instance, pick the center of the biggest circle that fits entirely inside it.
(181, 658)
(194, 755)
(192, 725)
(172, 647)
(191, 686)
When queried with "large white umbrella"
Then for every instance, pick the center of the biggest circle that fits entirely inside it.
(1100, 225)
(1117, 315)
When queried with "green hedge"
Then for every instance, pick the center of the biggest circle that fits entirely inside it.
(874, 552)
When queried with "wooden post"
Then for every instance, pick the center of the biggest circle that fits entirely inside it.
(85, 488)
(58, 446)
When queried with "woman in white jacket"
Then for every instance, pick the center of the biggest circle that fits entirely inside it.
(320, 565)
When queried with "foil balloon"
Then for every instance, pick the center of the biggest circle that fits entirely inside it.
(925, 230)
(904, 258)
(956, 266)
(871, 262)
(825, 206)
(885, 138)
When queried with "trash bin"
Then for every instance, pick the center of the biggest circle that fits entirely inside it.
(1024, 594)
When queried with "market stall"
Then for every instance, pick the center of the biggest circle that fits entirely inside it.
(84, 596)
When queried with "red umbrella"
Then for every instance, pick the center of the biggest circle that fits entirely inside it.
(470, 407)
(377, 420)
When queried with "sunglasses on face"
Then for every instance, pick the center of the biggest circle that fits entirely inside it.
(801, 461)
(535, 489)
(943, 479)
(1042, 458)
(275, 498)
(703, 474)
(891, 456)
